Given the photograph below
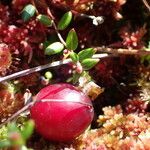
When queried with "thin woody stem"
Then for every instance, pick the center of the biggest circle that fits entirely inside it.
(105, 51)
(42, 67)
(35, 69)
(58, 34)
(55, 27)
(121, 51)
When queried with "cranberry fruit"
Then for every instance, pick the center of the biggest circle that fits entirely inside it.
(63, 114)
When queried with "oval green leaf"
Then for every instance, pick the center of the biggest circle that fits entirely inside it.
(72, 40)
(54, 48)
(28, 12)
(44, 20)
(89, 63)
(74, 57)
(86, 53)
(65, 21)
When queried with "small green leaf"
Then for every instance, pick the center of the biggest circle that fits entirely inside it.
(65, 21)
(74, 57)
(28, 129)
(89, 63)
(54, 48)
(5, 143)
(86, 53)
(28, 12)
(72, 40)
(44, 20)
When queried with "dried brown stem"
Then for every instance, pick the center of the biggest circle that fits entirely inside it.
(55, 27)
(58, 63)
(121, 51)
(42, 67)
(32, 70)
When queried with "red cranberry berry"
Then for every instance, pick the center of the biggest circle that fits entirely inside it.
(63, 114)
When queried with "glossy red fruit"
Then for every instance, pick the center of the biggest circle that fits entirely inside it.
(65, 113)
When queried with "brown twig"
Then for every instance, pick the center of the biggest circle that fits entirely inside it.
(42, 67)
(32, 70)
(121, 51)
(104, 50)
(55, 27)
